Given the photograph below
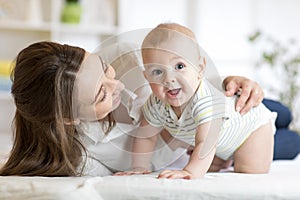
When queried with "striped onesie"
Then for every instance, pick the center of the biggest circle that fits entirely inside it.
(207, 104)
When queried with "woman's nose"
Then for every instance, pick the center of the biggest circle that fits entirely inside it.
(112, 82)
(119, 85)
(110, 72)
(114, 85)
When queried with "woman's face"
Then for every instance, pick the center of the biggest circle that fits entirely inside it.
(98, 91)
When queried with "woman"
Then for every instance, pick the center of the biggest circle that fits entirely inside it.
(59, 91)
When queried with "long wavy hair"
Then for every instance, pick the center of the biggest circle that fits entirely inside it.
(43, 80)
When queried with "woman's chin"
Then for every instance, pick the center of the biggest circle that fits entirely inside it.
(116, 102)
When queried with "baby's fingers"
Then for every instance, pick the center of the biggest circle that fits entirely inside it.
(165, 174)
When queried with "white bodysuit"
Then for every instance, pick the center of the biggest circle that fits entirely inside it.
(207, 104)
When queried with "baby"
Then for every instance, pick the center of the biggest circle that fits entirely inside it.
(186, 105)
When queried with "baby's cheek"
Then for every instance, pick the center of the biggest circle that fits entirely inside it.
(157, 90)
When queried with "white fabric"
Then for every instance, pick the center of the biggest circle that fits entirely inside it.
(115, 155)
(281, 183)
(95, 132)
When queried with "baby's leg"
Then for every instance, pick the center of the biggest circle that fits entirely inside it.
(256, 154)
(219, 164)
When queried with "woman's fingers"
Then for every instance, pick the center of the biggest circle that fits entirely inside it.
(128, 173)
(251, 94)
(175, 174)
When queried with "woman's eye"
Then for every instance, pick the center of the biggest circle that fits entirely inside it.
(156, 72)
(179, 66)
(105, 67)
(102, 94)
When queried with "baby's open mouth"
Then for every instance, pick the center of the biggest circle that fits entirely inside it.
(174, 92)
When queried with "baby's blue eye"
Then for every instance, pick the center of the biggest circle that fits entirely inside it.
(156, 72)
(179, 66)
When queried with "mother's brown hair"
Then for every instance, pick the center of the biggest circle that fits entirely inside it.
(43, 80)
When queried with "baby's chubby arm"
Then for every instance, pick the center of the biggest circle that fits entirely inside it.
(175, 143)
(205, 146)
(143, 146)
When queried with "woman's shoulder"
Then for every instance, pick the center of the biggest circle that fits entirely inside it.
(92, 130)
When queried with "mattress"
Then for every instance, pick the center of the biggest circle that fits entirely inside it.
(281, 183)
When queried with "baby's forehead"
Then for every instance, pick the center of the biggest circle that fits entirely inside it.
(165, 36)
(173, 42)
(163, 57)
(157, 55)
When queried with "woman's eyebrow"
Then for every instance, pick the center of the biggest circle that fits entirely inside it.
(104, 65)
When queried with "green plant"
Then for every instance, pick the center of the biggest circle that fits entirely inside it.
(72, 1)
(283, 61)
(283, 58)
(71, 12)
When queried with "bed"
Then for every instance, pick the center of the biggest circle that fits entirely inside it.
(281, 183)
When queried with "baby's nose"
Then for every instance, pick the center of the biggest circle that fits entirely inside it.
(169, 78)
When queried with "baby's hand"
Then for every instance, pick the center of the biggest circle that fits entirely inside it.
(174, 174)
(133, 172)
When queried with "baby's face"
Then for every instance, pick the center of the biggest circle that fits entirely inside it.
(98, 93)
(172, 79)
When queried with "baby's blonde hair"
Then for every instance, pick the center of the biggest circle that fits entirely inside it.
(177, 27)
(160, 33)
(163, 35)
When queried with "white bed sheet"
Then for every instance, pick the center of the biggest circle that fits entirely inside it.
(281, 183)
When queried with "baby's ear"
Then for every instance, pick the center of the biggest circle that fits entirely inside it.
(202, 63)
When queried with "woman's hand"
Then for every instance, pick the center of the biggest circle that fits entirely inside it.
(133, 172)
(251, 94)
(175, 174)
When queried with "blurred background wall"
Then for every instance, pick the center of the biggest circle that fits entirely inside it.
(222, 27)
